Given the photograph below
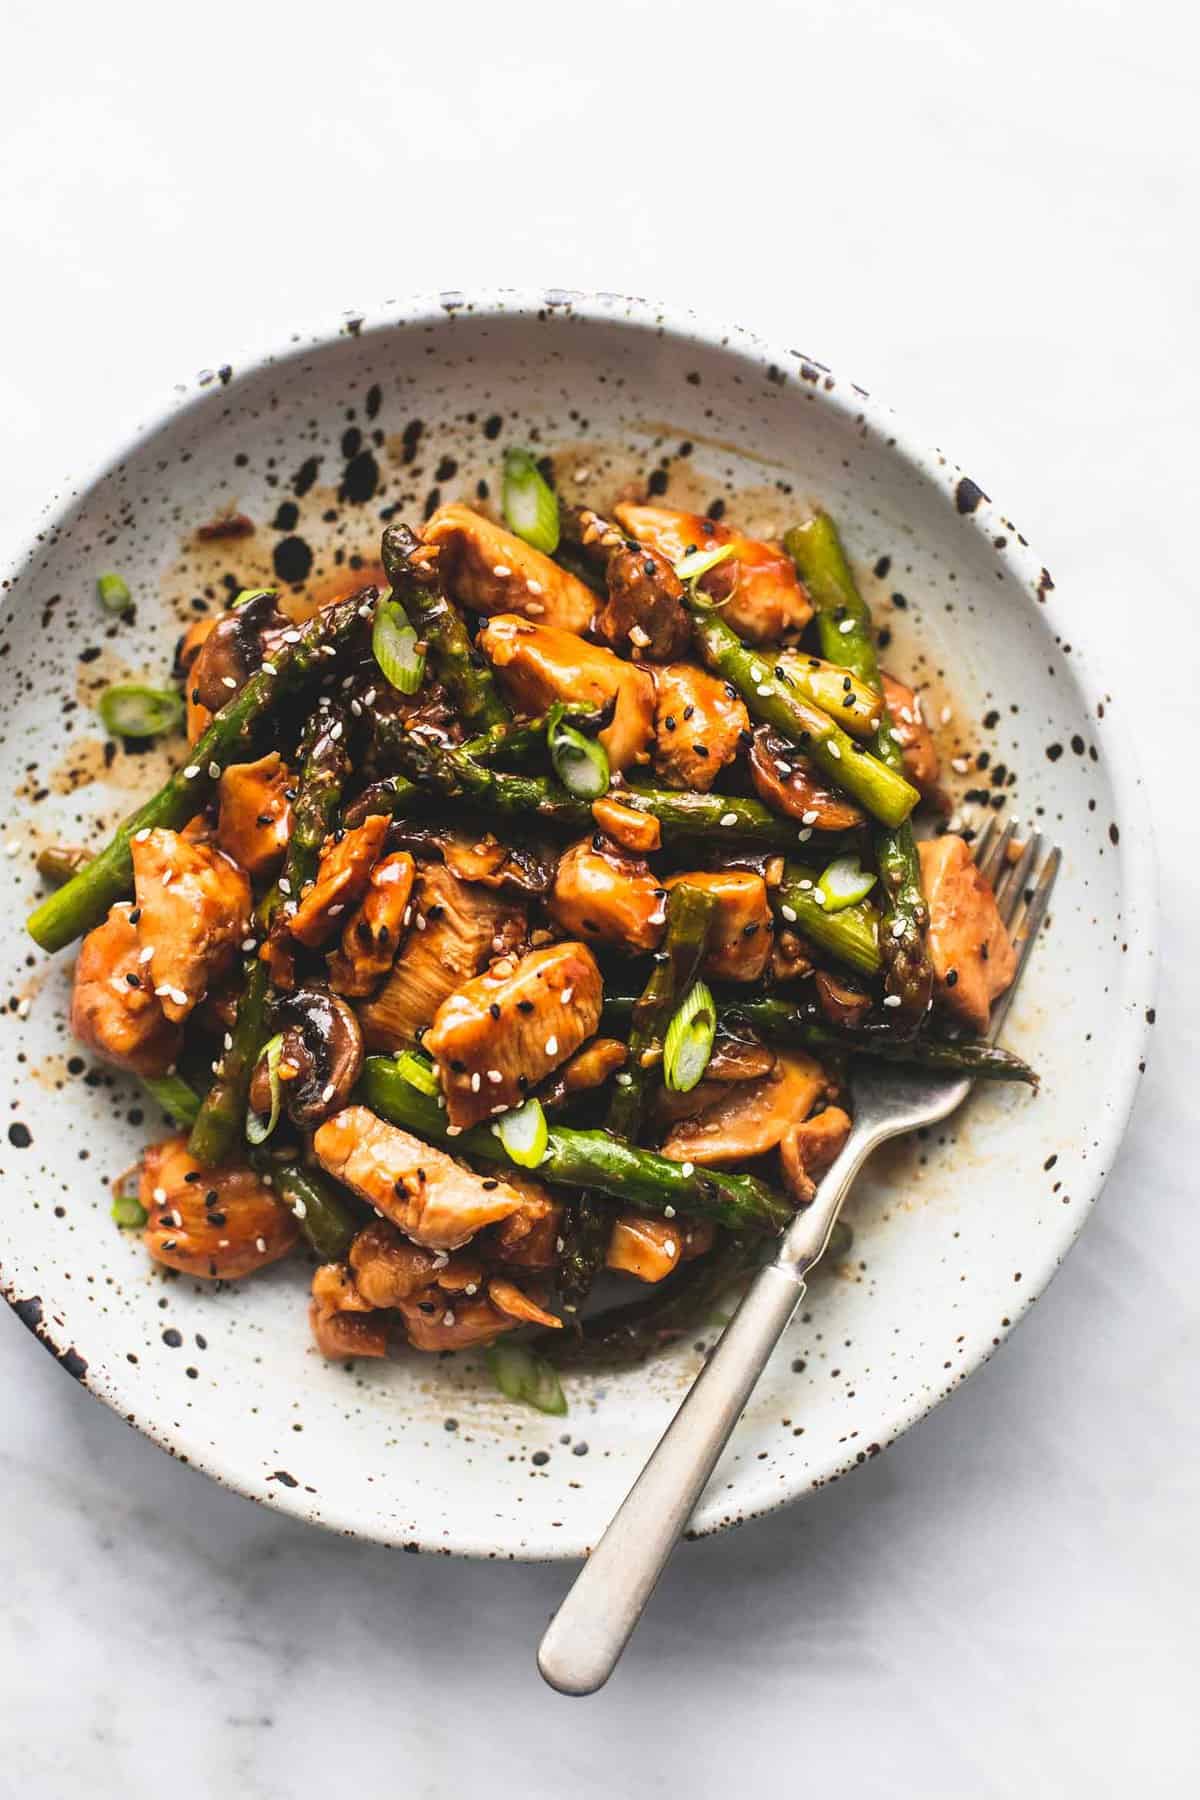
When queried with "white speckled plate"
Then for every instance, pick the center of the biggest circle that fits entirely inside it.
(956, 1235)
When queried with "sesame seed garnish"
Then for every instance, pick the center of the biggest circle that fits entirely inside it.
(447, 1317)
(534, 608)
(228, 681)
(810, 817)
(551, 1046)
(228, 1041)
(891, 999)
(803, 836)
(476, 1082)
(897, 928)
(764, 688)
(299, 1209)
(191, 772)
(624, 1080)
(638, 636)
(568, 994)
(687, 1168)
(178, 996)
(420, 921)
(495, 1077)
(214, 769)
(501, 569)
(260, 1244)
(834, 751)
(728, 818)
(327, 1093)
(668, 1212)
(960, 764)
(946, 715)
(145, 953)
(534, 587)
(454, 1130)
(819, 896)
(845, 626)
(163, 991)
(670, 1246)
(291, 637)
(139, 837)
(285, 886)
(159, 1196)
(472, 1287)
(804, 884)
(369, 697)
(789, 913)
(783, 767)
(249, 944)
(757, 671)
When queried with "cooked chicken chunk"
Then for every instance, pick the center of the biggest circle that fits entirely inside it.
(433, 1199)
(217, 1224)
(489, 570)
(588, 1068)
(344, 1323)
(971, 952)
(698, 725)
(750, 1117)
(499, 1035)
(647, 1248)
(528, 1239)
(539, 664)
(388, 1268)
(790, 784)
(807, 1150)
(625, 825)
(255, 820)
(514, 1303)
(435, 1321)
(194, 907)
(114, 1009)
(739, 939)
(373, 933)
(342, 876)
(456, 929)
(762, 596)
(605, 896)
(921, 762)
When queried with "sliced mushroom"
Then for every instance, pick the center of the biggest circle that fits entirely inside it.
(739, 1059)
(807, 1150)
(790, 784)
(321, 1054)
(842, 1002)
(232, 651)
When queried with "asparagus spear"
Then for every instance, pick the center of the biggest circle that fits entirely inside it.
(689, 916)
(785, 1021)
(640, 1179)
(86, 898)
(625, 1335)
(455, 662)
(326, 1221)
(851, 934)
(844, 622)
(880, 788)
(586, 1231)
(323, 766)
(837, 691)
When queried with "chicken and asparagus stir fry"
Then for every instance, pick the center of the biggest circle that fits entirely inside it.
(515, 924)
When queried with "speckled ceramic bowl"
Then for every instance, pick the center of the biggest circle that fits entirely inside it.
(956, 1234)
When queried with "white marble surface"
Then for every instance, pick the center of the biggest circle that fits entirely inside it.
(990, 221)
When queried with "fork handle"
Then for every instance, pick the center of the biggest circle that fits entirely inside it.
(585, 1638)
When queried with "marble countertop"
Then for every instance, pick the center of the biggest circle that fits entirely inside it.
(993, 227)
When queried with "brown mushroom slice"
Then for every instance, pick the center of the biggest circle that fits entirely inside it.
(499, 1035)
(971, 952)
(194, 911)
(790, 784)
(482, 858)
(114, 1009)
(697, 1239)
(255, 820)
(514, 1303)
(432, 1198)
(758, 588)
(739, 1059)
(603, 895)
(739, 938)
(489, 570)
(217, 1224)
(341, 881)
(321, 1055)
(373, 933)
(792, 956)
(808, 1149)
(233, 650)
(633, 830)
(342, 1321)
(698, 726)
(922, 764)
(198, 717)
(539, 664)
(650, 1249)
(750, 1117)
(456, 929)
(590, 1067)
(644, 613)
(842, 1002)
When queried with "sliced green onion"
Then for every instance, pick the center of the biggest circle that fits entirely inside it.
(524, 1134)
(844, 883)
(249, 594)
(175, 1096)
(128, 1213)
(397, 648)
(418, 1071)
(114, 593)
(689, 1039)
(131, 710)
(258, 1129)
(580, 762)
(698, 562)
(530, 504)
(520, 1374)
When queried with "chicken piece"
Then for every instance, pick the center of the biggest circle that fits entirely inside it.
(528, 1239)
(342, 876)
(489, 570)
(388, 1268)
(194, 911)
(435, 1321)
(343, 1323)
(698, 726)
(433, 1199)
(588, 1068)
(633, 830)
(647, 1248)
(971, 952)
(499, 1035)
(255, 819)
(514, 1303)
(644, 612)
(372, 935)
(791, 784)
(114, 1009)
(198, 717)
(608, 897)
(539, 664)
(807, 1150)
(739, 938)
(217, 1224)
(457, 928)
(760, 593)
(750, 1117)
(922, 764)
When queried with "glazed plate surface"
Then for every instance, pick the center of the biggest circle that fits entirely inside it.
(955, 1234)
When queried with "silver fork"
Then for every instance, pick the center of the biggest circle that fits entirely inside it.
(585, 1638)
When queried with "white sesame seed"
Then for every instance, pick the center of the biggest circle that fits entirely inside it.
(369, 697)
(159, 1196)
(891, 999)
(260, 1244)
(327, 1093)
(228, 1041)
(946, 715)
(764, 688)
(249, 944)
(495, 1077)
(789, 913)
(897, 928)
(214, 769)
(567, 995)
(441, 1259)
(534, 587)
(139, 837)
(476, 1082)
(328, 649)
(670, 1246)
(501, 569)
(472, 1287)
(534, 608)
(668, 1212)
(582, 475)
(834, 751)
(337, 731)
(960, 764)
(728, 818)
(340, 907)
(291, 637)
(407, 914)
(803, 836)
(447, 1317)
(502, 1108)
(228, 681)
(299, 1209)
(222, 1243)
(179, 997)
(687, 1168)
(638, 636)
(804, 884)
(285, 886)
(845, 626)
(819, 896)
(552, 1046)
(784, 768)
(145, 953)
(163, 990)
(191, 772)
(624, 1080)
(757, 671)
(420, 921)
(810, 817)
(453, 1130)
